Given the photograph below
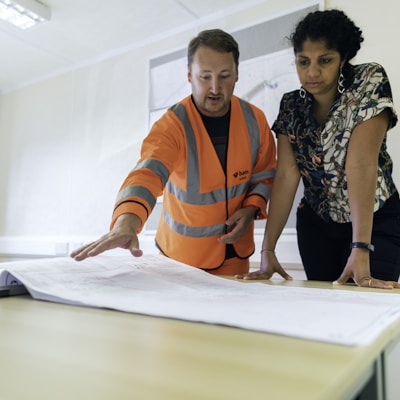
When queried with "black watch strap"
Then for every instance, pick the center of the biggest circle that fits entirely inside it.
(362, 245)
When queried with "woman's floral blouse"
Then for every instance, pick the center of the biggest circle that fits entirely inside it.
(321, 151)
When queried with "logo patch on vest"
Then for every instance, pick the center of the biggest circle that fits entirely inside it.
(241, 174)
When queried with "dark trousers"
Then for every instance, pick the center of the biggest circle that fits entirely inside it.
(325, 246)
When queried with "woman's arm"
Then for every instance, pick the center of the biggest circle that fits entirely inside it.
(283, 192)
(361, 171)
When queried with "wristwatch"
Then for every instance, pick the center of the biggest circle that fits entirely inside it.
(362, 245)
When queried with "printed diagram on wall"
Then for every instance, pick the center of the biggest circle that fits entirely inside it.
(262, 81)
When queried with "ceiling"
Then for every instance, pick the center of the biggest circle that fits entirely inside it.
(84, 31)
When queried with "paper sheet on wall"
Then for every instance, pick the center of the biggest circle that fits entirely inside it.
(155, 285)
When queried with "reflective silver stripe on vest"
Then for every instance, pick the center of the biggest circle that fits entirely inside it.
(158, 168)
(261, 188)
(252, 128)
(259, 176)
(190, 231)
(137, 191)
(207, 198)
(193, 184)
(155, 166)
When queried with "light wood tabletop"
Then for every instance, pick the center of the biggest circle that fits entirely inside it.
(56, 351)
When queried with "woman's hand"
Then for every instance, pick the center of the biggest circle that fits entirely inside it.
(268, 266)
(357, 268)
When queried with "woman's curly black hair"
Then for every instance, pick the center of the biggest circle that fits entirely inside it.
(334, 27)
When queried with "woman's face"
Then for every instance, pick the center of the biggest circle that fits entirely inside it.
(318, 68)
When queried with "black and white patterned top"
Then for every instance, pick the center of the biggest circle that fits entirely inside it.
(321, 152)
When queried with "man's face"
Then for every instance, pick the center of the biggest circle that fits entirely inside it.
(213, 76)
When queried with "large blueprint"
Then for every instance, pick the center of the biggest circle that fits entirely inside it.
(155, 285)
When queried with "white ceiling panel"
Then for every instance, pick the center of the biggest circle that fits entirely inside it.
(85, 30)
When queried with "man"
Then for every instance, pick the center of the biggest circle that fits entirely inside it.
(213, 157)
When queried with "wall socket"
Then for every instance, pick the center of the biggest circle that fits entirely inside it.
(61, 249)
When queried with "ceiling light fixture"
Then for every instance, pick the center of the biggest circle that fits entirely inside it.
(24, 14)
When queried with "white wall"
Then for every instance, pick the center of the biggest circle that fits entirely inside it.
(66, 143)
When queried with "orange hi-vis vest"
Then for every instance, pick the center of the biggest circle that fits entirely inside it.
(178, 161)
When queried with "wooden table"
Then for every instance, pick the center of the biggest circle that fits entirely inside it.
(54, 351)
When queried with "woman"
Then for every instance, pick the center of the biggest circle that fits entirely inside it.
(332, 134)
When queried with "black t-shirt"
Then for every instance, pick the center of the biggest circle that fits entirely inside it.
(218, 130)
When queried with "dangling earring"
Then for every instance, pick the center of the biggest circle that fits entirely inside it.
(341, 88)
(302, 92)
